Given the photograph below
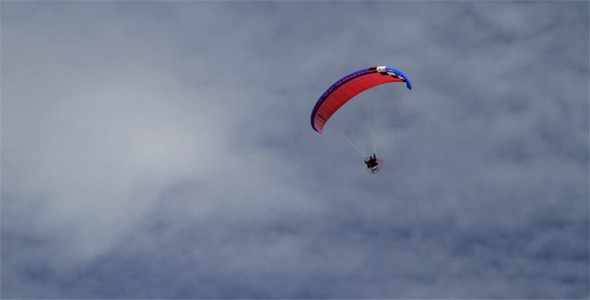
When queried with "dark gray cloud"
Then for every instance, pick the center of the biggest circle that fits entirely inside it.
(163, 150)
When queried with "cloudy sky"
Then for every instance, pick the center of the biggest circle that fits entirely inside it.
(164, 150)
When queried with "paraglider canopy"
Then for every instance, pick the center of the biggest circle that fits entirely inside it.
(348, 87)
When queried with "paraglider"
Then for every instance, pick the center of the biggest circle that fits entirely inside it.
(347, 88)
(374, 164)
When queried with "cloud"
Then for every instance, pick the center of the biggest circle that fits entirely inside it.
(163, 150)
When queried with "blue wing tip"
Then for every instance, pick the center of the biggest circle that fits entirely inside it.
(402, 75)
(408, 84)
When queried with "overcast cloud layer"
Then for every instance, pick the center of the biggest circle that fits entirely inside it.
(163, 150)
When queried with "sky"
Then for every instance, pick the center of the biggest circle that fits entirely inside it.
(164, 150)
